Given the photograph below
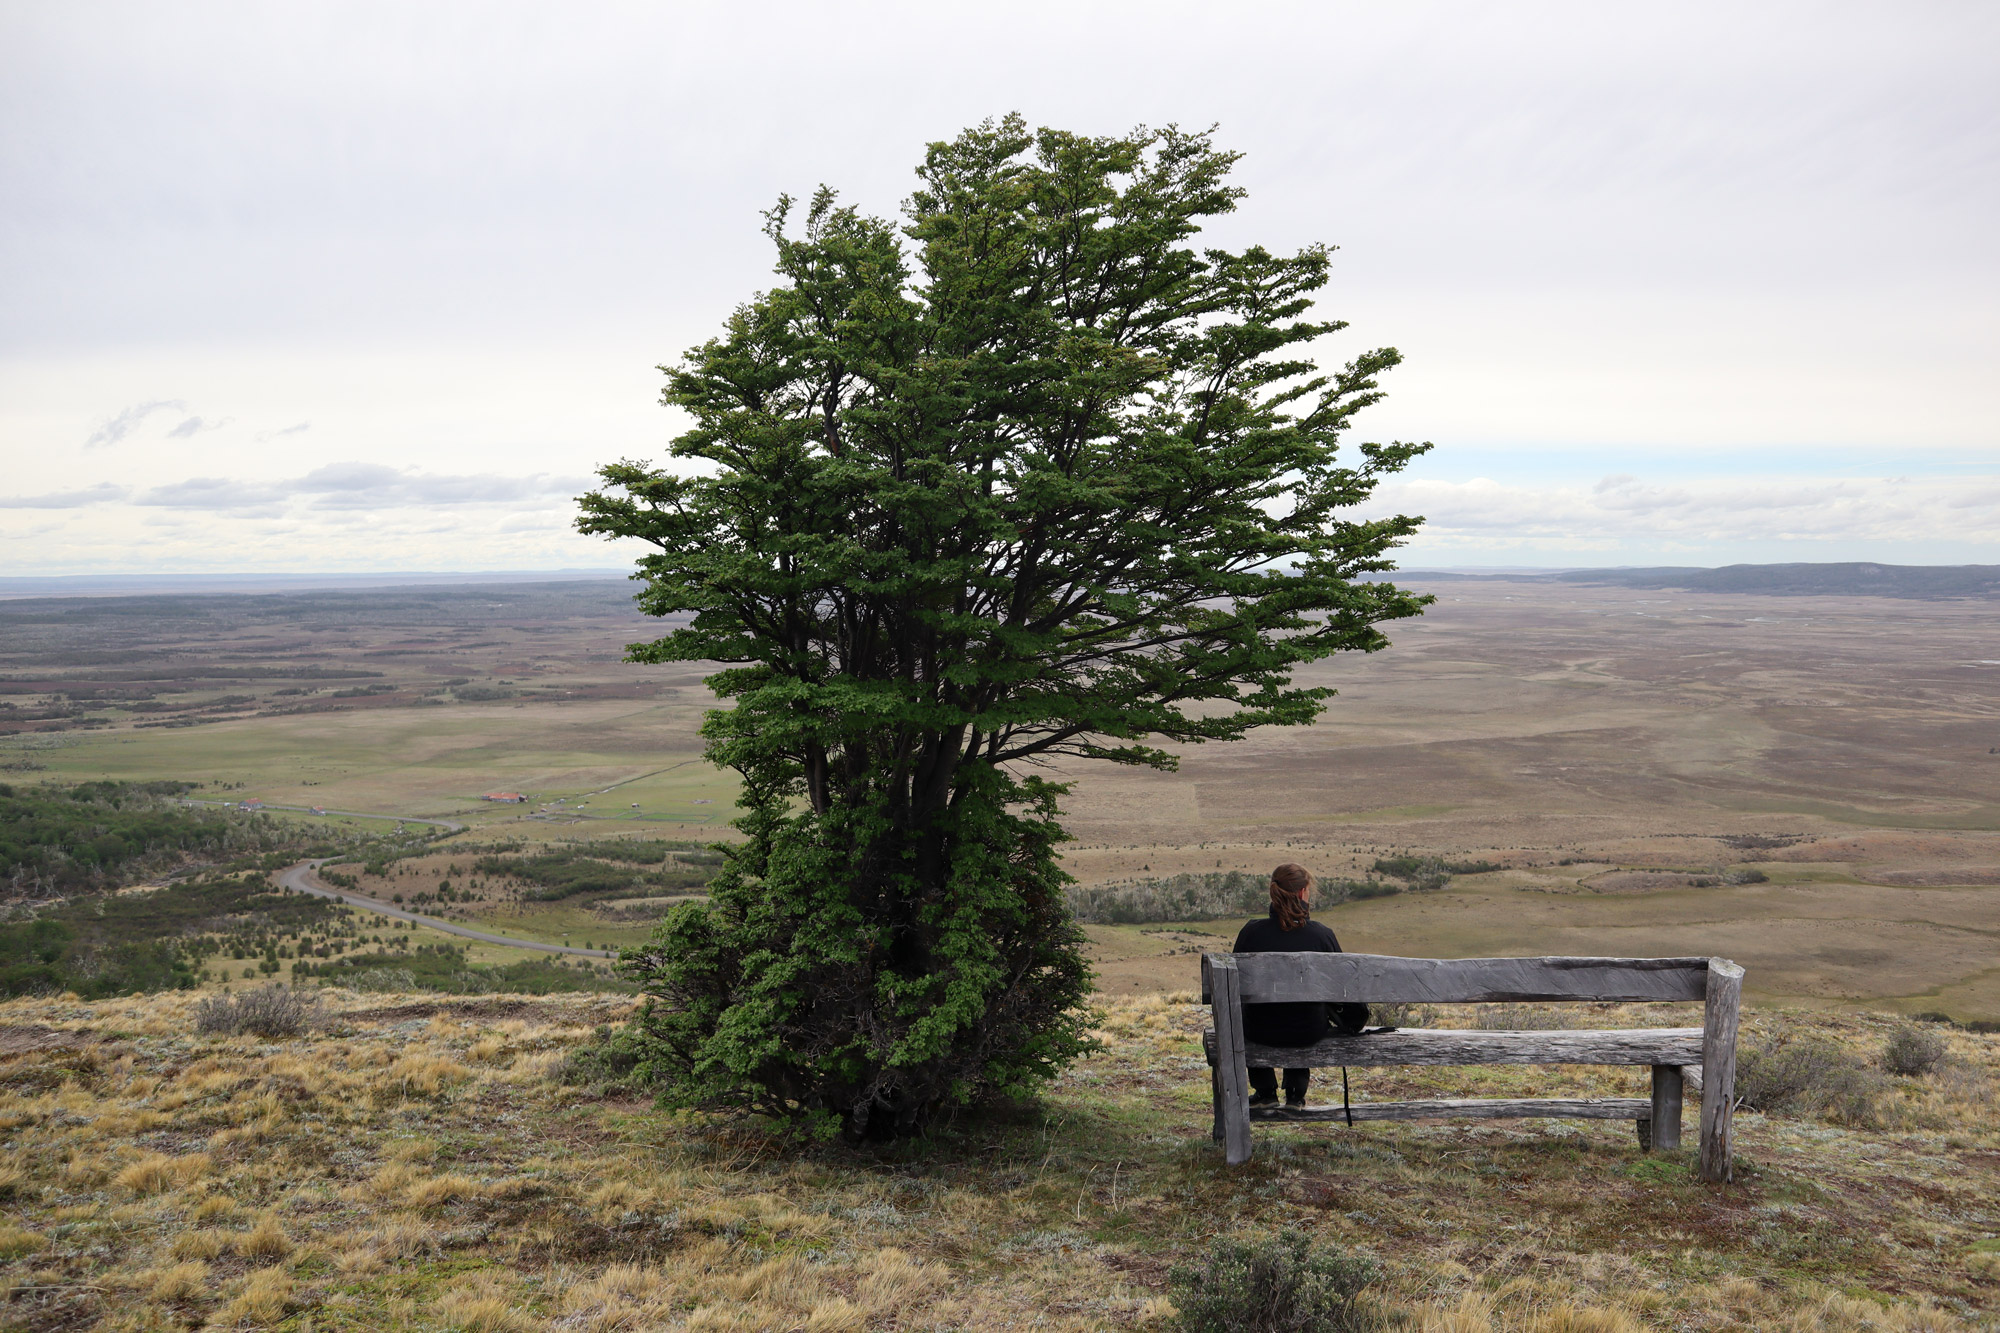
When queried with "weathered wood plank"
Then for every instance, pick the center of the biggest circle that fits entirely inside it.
(1277, 978)
(1229, 1061)
(1666, 1109)
(1470, 1108)
(1450, 1046)
(1718, 1070)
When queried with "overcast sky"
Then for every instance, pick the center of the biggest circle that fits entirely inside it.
(373, 287)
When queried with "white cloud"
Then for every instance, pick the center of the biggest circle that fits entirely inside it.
(363, 486)
(1625, 510)
(195, 426)
(114, 429)
(102, 493)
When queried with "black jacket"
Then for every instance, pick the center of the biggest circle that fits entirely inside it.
(1302, 1023)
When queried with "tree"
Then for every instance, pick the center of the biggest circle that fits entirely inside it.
(1026, 477)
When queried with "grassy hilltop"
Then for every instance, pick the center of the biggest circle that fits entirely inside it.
(428, 1162)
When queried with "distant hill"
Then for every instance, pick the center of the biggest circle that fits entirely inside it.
(1850, 579)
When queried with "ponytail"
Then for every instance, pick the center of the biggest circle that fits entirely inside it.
(1289, 883)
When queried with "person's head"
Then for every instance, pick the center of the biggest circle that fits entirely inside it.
(1291, 889)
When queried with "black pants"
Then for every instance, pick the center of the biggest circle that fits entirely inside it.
(1264, 1083)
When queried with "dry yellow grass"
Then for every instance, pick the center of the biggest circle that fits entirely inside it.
(420, 1165)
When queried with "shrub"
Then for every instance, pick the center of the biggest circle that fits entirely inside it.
(1202, 897)
(1912, 1052)
(1524, 1017)
(1282, 1284)
(1403, 1015)
(383, 979)
(613, 1062)
(1786, 1074)
(270, 1011)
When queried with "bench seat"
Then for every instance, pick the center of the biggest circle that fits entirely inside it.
(1444, 1046)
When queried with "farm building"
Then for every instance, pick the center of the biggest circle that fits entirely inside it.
(510, 797)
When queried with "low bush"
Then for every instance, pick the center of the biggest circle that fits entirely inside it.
(1525, 1017)
(613, 1062)
(1190, 897)
(391, 979)
(1402, 1015)
(270, 1011)
(1912, 1052)
(568, 873)
(1785, 1073)
(441, 967)
(1429, 873)
(1280, 1284)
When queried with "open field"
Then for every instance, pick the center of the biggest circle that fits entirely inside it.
(422, 1163)
(1612, 747)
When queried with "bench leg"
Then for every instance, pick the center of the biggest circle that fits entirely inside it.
(1231, 1076)
(1666, 1117)
(1215, 1097)
(1718, 1070)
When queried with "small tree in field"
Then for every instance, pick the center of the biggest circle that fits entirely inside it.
(1027, 476)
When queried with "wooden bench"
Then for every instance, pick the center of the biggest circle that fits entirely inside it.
(1708, 1053)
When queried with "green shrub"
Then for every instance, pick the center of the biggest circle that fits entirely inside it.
(1912, 1052)
(615, 1061)
(1282, 1284)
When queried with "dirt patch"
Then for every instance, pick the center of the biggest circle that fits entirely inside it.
(30, 1038)
(1142, 1269)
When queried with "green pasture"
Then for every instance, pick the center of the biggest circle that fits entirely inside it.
(630, 763)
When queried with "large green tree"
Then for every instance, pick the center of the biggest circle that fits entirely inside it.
(1027, 476)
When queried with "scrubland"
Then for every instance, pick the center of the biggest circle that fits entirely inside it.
(420, 1162)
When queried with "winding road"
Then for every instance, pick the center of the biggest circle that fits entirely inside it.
(300, 878)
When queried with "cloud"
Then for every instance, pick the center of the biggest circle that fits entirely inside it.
(210, 493)
(356, 485)
(195, 426)
(127, 421)
(1623, 508)
(102, 493)
(299, 429)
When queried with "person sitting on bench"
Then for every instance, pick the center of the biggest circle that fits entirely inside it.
(1289, 929)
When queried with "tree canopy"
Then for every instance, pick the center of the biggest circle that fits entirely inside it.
(1026, 476)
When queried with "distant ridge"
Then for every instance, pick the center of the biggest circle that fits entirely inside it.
(1849, 579)
(139, 585)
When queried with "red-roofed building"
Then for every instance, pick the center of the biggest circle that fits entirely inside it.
(510, 797)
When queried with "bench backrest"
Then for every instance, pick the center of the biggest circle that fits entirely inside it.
(1276, 978)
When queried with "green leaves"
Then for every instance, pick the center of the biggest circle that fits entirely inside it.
(1026, 475)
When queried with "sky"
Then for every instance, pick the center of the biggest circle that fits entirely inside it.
(371, 287)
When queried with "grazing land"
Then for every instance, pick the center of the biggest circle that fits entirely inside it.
(461, 1163)
(1627, 756)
